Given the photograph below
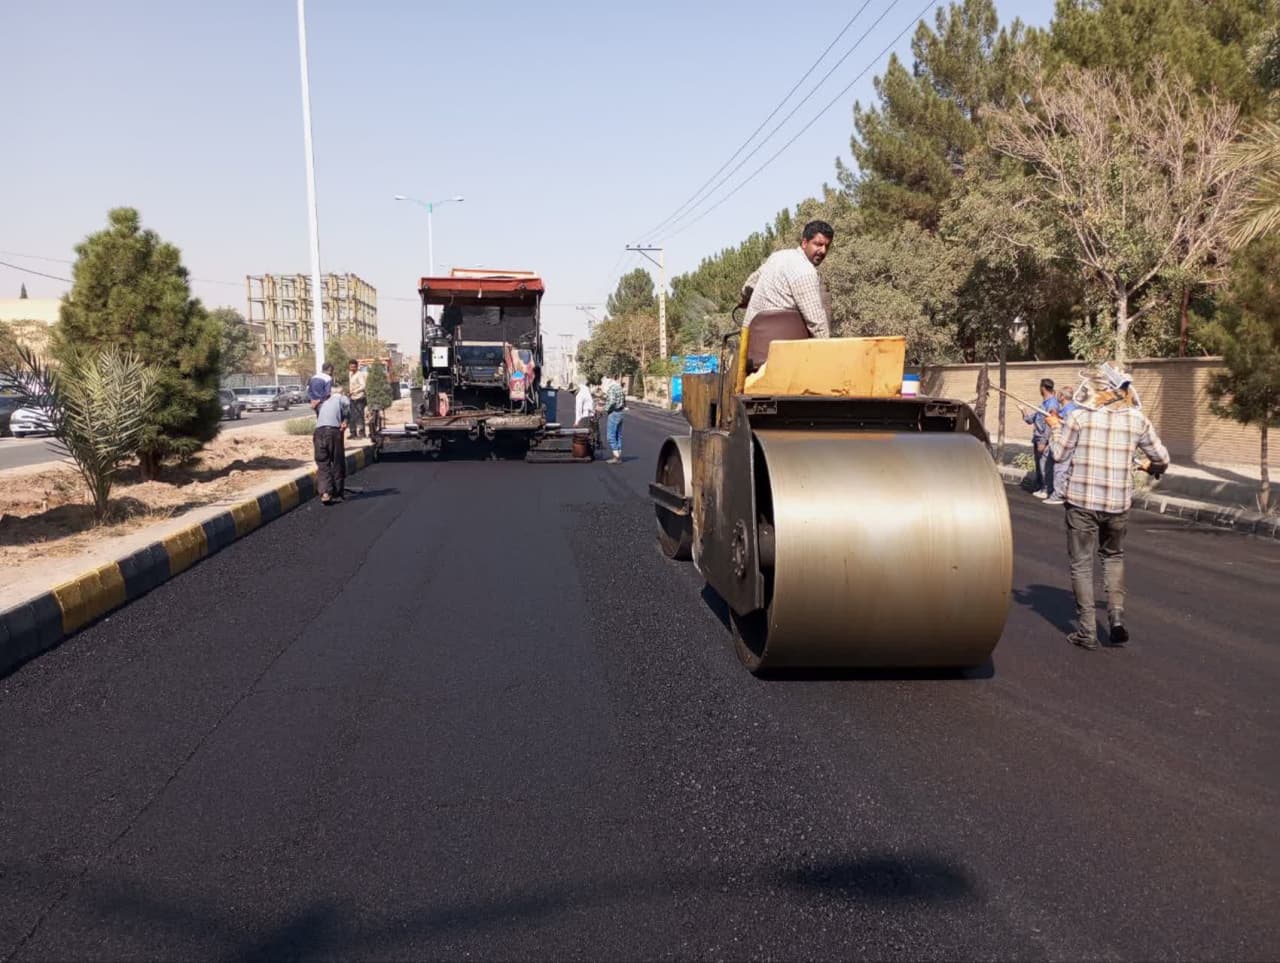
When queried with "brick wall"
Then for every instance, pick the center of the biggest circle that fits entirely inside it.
(1174, 393)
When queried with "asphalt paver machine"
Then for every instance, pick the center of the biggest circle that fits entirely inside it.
(843, 524)
(481, 361)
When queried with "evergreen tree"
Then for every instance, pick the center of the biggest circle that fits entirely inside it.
(131, 291)
(1247, 333)
(22, 294)
(911, 148)
(635, 292)
(238, 350)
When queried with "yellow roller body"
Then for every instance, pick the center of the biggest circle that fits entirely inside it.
(891, 549)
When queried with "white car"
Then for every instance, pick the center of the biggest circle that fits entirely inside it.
(31, 420)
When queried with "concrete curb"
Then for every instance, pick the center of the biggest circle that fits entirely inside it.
(1207, 513)
(35, 626)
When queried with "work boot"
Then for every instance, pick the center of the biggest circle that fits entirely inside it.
(616, 459)
(1119, 634)
(1085, 642)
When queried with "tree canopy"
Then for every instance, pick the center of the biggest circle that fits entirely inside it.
(130, 291)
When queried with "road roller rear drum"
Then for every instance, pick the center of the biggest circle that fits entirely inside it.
(840, 531)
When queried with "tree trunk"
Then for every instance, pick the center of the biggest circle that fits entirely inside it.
(1122, 327)
(149, 464)
(1264, 490)
(1182, 324)
(1004, 383)
(984, 388)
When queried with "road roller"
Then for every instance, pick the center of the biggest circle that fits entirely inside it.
(843, 524)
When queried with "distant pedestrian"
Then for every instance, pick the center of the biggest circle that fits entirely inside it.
(584, 405)
(1040, 437)
(357, 382)
(1099, 439)
(615, 402)
(331, 456)
(1062, 468)
(320, 387)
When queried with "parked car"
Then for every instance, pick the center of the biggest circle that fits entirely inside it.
(231, 409)
(297, 394)
(8, 405)
(32, 419)
(263, 398)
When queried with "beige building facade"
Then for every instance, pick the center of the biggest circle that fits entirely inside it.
(280, 308)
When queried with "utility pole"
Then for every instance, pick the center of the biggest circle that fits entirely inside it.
(589, 311)
(566, 344)
(661, 261)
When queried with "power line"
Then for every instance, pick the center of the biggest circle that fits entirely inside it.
(813, 120)
(52, 277)
(812, 67)
(782, 123)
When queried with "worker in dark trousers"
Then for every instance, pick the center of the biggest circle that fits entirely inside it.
(331, 457)
(1099, 439)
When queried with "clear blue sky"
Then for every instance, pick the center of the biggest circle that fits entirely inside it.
(570, 127)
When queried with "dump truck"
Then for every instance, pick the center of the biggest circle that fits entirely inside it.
(481, 361)
(843, 524)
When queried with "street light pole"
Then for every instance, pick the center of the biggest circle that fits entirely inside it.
(313, 219)
(430, 207)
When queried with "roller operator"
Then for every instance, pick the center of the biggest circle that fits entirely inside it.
(788, 281)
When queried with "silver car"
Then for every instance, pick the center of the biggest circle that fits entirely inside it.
(263, 398)
(32, 419)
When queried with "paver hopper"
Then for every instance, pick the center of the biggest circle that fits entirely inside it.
(843, 524)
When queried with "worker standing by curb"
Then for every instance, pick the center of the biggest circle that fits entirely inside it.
(330, 455)
(357, 382)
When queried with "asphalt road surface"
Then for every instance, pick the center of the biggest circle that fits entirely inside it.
(474, 713)
(20, 452)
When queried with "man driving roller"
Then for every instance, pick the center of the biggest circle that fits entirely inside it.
(788, 281)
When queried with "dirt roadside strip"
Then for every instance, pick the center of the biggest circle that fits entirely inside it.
(36, 624)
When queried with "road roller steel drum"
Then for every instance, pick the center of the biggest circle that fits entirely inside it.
(890, 549)
(841, 531)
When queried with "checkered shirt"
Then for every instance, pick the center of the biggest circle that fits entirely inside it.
(787, 281)
(1101, 445)
(615, 399)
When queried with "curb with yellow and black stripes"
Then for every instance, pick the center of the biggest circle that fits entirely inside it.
(35, 626)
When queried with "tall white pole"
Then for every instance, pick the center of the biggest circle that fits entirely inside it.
(431, 246)
(317, 296)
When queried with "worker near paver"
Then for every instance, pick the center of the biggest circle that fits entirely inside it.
(584, 405)
(320, 386)
(1099, 438)
(357, 381)
(330, 455)
(788, 281)
(615, 403)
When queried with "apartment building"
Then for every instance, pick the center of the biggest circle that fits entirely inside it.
(281, 304)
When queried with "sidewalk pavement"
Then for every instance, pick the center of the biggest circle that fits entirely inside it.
(1224, 496)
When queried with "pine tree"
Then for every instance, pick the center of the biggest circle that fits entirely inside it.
(131, 291)
(22, 295)
(911, 148)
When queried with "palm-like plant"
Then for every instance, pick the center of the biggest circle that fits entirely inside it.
(1260, 154)
(98, 402)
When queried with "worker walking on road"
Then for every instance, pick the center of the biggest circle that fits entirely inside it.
(615, 402)
(357, 381)
(1099, 439)
(330, 454)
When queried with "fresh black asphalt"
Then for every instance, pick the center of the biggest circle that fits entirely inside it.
(473, 713)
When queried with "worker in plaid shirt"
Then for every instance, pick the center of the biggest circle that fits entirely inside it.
(1099, 440)
(788, 281)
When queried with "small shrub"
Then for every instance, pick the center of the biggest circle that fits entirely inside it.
(1024, 460)
(300, 426)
